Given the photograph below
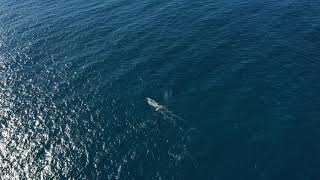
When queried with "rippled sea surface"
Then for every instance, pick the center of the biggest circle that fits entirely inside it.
(236, 84)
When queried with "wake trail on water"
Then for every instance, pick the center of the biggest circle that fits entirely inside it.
(164, 111)
(177, 121)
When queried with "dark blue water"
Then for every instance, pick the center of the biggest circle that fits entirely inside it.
(237, 82)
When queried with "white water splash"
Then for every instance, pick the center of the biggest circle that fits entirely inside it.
(164, 111)
(155, 105)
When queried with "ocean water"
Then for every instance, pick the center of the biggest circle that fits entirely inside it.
(234, 88)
